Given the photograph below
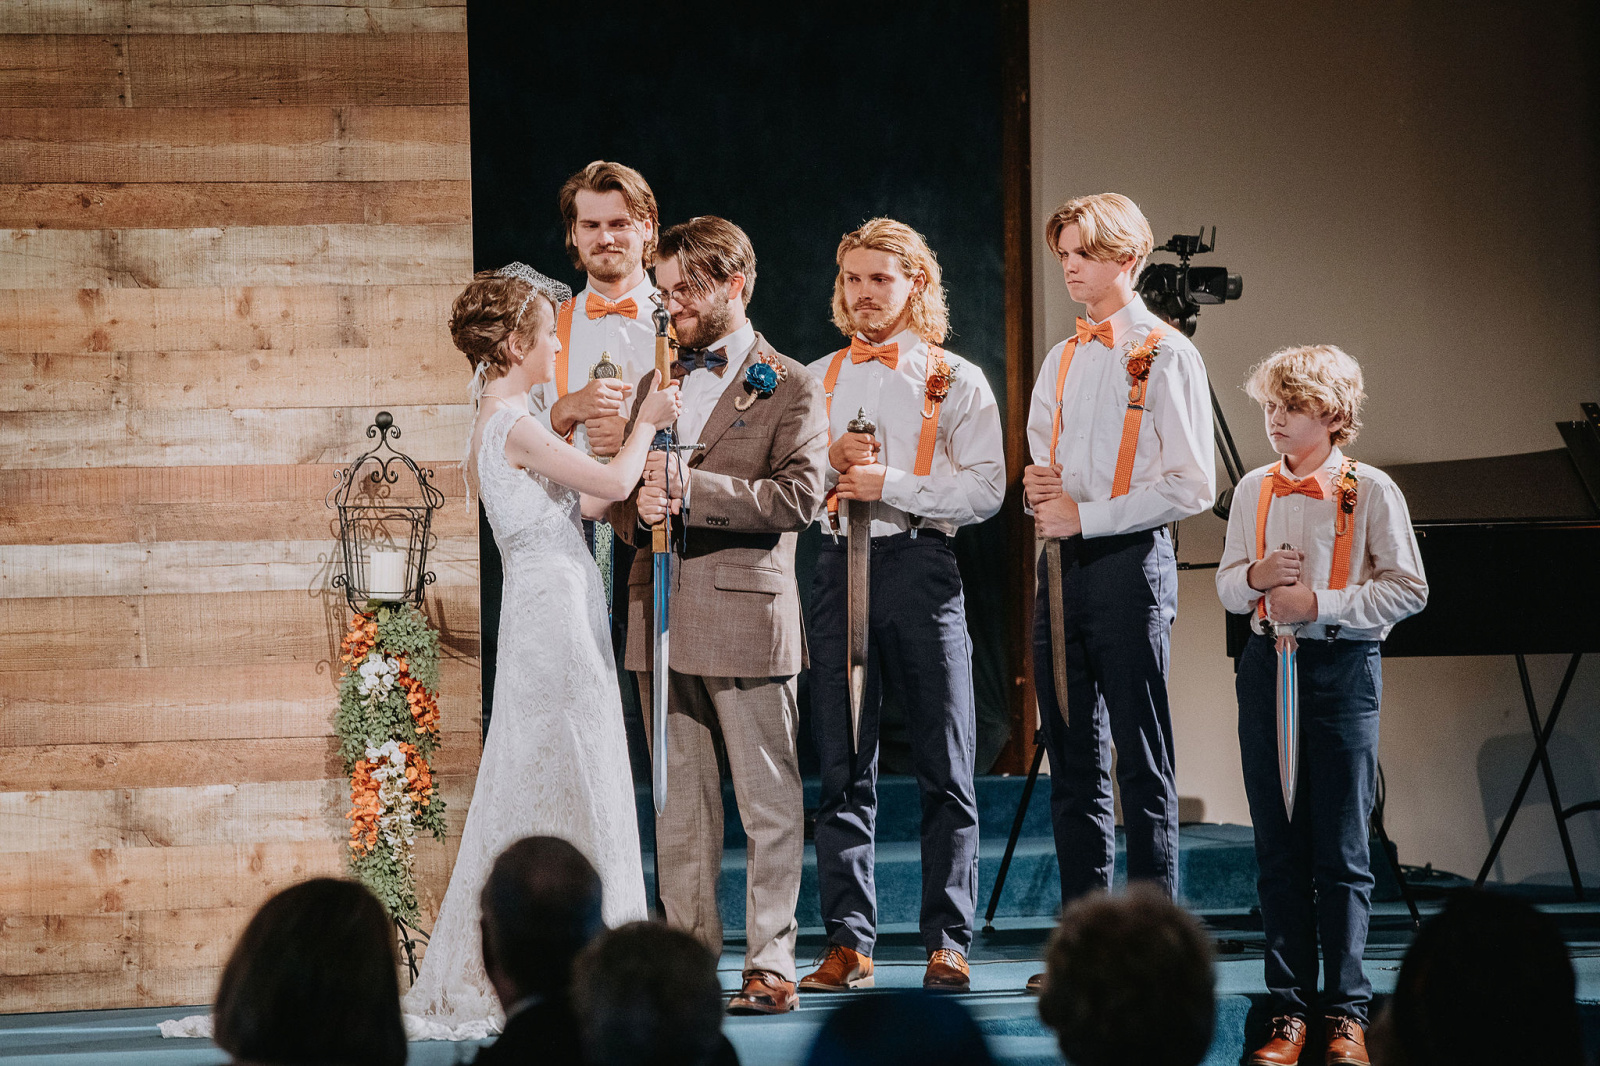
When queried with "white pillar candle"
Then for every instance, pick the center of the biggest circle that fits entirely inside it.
(386, 574)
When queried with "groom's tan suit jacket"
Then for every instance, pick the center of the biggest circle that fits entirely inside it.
(735, 608)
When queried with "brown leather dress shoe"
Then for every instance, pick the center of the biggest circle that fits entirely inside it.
(842, 969)
(947, 972)
(1283, 1049)
(1036, 983)
(1347, 1043)
(764, 992)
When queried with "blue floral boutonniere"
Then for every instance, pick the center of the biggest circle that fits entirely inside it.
(761, 380)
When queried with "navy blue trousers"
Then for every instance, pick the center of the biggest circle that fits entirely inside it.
(918, 645)
(1120, 596)
(1316, 880)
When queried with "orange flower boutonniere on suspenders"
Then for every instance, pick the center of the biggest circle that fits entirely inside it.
(1138, 362)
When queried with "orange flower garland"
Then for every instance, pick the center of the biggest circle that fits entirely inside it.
(388, 725)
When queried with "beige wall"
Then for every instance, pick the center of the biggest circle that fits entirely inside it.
(1413, 182)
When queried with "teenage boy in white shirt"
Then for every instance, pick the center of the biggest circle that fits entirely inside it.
(1121, 437)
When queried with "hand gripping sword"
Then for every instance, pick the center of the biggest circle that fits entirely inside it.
(1288, 708)
(858, 571)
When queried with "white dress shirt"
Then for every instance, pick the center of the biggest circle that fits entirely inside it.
(631, 343)
(1386, 581)
(1174, 469)
(701, 389)
(967, 480)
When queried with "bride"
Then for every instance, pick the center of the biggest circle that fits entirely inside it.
(555, 761)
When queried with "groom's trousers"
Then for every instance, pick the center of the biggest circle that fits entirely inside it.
(752, 722)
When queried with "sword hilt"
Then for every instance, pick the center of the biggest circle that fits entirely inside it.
(861, 423)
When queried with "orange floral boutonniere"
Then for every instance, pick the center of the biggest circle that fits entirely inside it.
(1345, 487)
(1141, 358)
(937, 385)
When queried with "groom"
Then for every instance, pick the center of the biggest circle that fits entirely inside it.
(739, 502)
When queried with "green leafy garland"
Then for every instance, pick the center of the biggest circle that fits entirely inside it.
(388, 728)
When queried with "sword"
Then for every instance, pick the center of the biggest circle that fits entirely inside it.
(858, 570)
(1058, 625)
(661, 574)
(1288, 707)
(604, 536)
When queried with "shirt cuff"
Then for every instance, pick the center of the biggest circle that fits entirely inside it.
(1095, 518)
(1330, 605)
(899, 489)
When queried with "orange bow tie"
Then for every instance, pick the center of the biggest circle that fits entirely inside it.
(887, 354)
(1101, 332)
(1288, 486)
(597, 306)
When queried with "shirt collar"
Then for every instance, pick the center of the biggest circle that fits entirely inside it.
(907, 340)
(735, 345)
(1123, 318)
(1325, 476)
(641, 294)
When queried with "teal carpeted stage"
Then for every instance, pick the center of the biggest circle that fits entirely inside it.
(1218, 870)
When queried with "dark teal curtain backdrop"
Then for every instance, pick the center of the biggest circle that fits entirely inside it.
(796, 121)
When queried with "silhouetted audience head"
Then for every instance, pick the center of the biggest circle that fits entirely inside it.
(1130, 979)
(1487, 980)
(647, 995)
(313, 979)
(909, 1028)
(541, 905)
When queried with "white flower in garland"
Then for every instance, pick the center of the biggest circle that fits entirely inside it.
(378, 675)
(396, 822)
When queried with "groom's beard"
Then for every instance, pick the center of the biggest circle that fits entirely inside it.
(709, 325)
(611, 268)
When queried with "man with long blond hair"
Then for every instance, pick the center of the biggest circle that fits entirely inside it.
(1120, 434)
(934, 463)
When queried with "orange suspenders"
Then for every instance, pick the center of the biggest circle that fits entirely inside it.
(1344, 526)
(930, 417)
(564, 333)
(1139, 361)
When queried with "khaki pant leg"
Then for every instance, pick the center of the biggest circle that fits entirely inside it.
(689, 829)
(760, 724)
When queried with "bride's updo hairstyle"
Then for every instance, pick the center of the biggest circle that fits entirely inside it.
(487, 313)
(498, 303)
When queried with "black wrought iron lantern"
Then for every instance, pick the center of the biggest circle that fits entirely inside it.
(386, 506)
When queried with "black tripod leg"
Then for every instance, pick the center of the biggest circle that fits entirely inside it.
(1016, 832)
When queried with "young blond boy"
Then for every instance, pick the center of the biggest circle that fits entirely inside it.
(1319, 547)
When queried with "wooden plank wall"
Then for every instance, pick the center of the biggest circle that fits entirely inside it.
(229, 233)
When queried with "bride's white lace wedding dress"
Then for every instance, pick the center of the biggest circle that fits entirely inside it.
(555, 762)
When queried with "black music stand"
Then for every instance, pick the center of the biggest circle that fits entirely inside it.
(1541, 759)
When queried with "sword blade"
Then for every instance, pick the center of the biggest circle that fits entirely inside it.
(661, 586)
(1058, 624)
(1288, 707)
(858, 575)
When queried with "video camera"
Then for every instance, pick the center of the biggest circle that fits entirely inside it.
(1175, 291)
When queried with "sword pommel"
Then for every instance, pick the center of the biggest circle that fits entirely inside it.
(861, 423)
